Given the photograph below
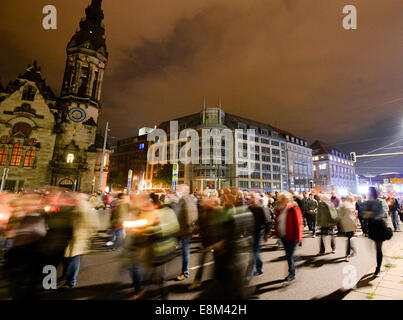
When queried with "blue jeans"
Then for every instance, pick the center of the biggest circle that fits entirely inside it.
(71, 269)
(311, 220)
(257, 260)
(118, 237)
(289, 247)
(395, 219)
(135, 273)
(185, 254)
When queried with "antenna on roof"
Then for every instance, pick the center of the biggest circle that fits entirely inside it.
(204, 109)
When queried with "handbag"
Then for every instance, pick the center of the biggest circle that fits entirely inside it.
(378, 230)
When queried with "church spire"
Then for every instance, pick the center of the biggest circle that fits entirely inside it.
(87, 57)
(92, 31)
(94, 11)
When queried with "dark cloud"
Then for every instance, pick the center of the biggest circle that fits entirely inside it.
(286, 62)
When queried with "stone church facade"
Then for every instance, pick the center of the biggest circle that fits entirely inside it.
(48, 140)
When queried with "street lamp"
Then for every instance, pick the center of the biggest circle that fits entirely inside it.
(101, 170)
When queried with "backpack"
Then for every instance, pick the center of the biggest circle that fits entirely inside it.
(333, 213)
(163, 248)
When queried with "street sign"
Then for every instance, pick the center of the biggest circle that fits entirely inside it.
(175, 170)
(129, 181)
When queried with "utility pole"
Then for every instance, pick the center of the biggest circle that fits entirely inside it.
(101, 170)
(3, 180)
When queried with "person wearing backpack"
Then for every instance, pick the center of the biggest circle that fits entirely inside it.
(327, 220)
(153, 243)
(164, 241)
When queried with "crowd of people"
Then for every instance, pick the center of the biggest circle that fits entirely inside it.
(55, 227)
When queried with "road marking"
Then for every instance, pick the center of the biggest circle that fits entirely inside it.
(197, 267)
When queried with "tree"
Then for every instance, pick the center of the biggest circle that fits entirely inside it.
(163, 176)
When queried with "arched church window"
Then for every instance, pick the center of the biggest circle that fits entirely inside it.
(5, 139)
(82, 90)
(29, 93)
(16, 155)
(3, 155)
(70, 158)
(22, 127)
(29, 158)
(94, 86)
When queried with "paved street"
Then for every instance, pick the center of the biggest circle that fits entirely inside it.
(103, 275)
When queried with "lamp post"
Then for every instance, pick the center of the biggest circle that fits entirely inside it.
(3, 180)
(101, 170)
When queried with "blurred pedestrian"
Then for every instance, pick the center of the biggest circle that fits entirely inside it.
(327, 220)
(186, 211)
(289, 229)
(85, 225)
(394, 210)
(311, 208)
(374, 211)
(262, 222)
(346, 214)
(120, 209)
(363, 222)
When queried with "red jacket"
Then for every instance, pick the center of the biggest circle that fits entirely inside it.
(294, 230)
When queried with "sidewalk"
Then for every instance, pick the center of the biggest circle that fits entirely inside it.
(389, 286)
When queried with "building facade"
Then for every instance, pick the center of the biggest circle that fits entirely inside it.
(333, 168)
(259, 165)
(299, 161)
(130, 154)
(48, 140)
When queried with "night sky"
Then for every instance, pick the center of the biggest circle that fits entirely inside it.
(289, 63)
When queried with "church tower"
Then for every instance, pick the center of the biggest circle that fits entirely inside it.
(75, 151)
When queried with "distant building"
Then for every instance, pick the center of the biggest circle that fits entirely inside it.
(299, 161)
(265, 170)
(332, 168)
(130, 154)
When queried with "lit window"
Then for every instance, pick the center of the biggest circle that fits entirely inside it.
(29, 158)
(70, 158)
(16, 155)
(322, 166)
(5, 139)
(3, 156)
(141, 146)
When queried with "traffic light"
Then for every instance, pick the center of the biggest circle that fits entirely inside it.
(353, 157)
